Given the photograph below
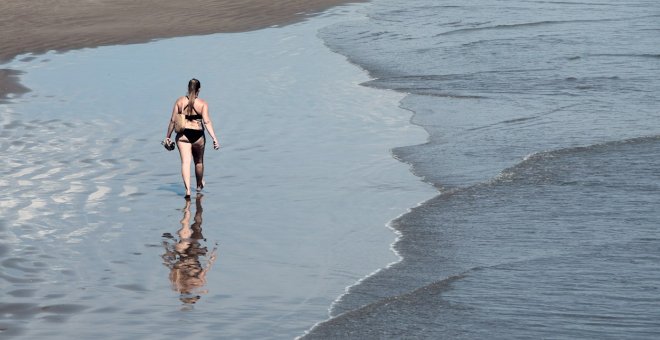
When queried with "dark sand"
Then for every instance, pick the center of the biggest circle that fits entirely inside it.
(60, 25)
(9, 84)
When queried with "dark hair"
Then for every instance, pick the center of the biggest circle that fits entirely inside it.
(193, 88)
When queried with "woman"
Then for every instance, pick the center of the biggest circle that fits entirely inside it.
(191, 140)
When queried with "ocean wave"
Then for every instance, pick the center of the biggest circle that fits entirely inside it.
(534, 158)
(538, 24)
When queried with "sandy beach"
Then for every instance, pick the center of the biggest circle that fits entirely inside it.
(296, 205)
(63, 25)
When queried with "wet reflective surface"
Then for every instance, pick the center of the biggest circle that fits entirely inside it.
(303, 186)
(188, 256)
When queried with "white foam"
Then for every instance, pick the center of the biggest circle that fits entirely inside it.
(47, 174)
(97, 195)
(128, 190)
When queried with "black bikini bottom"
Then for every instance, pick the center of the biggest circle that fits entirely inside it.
(193, 135)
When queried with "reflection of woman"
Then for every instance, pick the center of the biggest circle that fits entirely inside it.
(191, 140)
(187, 274)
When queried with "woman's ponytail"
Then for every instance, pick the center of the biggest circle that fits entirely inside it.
(193, 89)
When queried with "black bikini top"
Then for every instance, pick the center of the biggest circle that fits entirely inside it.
(196, 116)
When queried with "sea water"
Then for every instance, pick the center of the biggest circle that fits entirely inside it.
(544, 140)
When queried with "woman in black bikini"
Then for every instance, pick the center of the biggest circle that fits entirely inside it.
(192, 140)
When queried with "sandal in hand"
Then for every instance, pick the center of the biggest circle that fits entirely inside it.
(168, 144)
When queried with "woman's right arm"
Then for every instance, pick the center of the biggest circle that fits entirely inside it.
(206, 119)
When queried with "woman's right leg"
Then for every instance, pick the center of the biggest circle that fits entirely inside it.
(185, 151)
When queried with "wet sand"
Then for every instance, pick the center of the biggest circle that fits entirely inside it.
(296, 202)
(60, 25)
(9, 84)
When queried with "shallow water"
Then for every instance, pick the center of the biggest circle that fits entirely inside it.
(543, 124)
(95, 234)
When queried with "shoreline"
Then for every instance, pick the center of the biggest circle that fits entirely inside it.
(65, 25)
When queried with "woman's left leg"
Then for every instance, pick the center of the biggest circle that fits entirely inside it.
(198, 157)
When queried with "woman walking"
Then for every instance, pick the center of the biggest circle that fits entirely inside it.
(191, 138)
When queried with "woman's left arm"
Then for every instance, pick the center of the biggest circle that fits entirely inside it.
(208, 124)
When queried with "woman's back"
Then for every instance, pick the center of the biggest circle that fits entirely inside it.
(194, 118)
